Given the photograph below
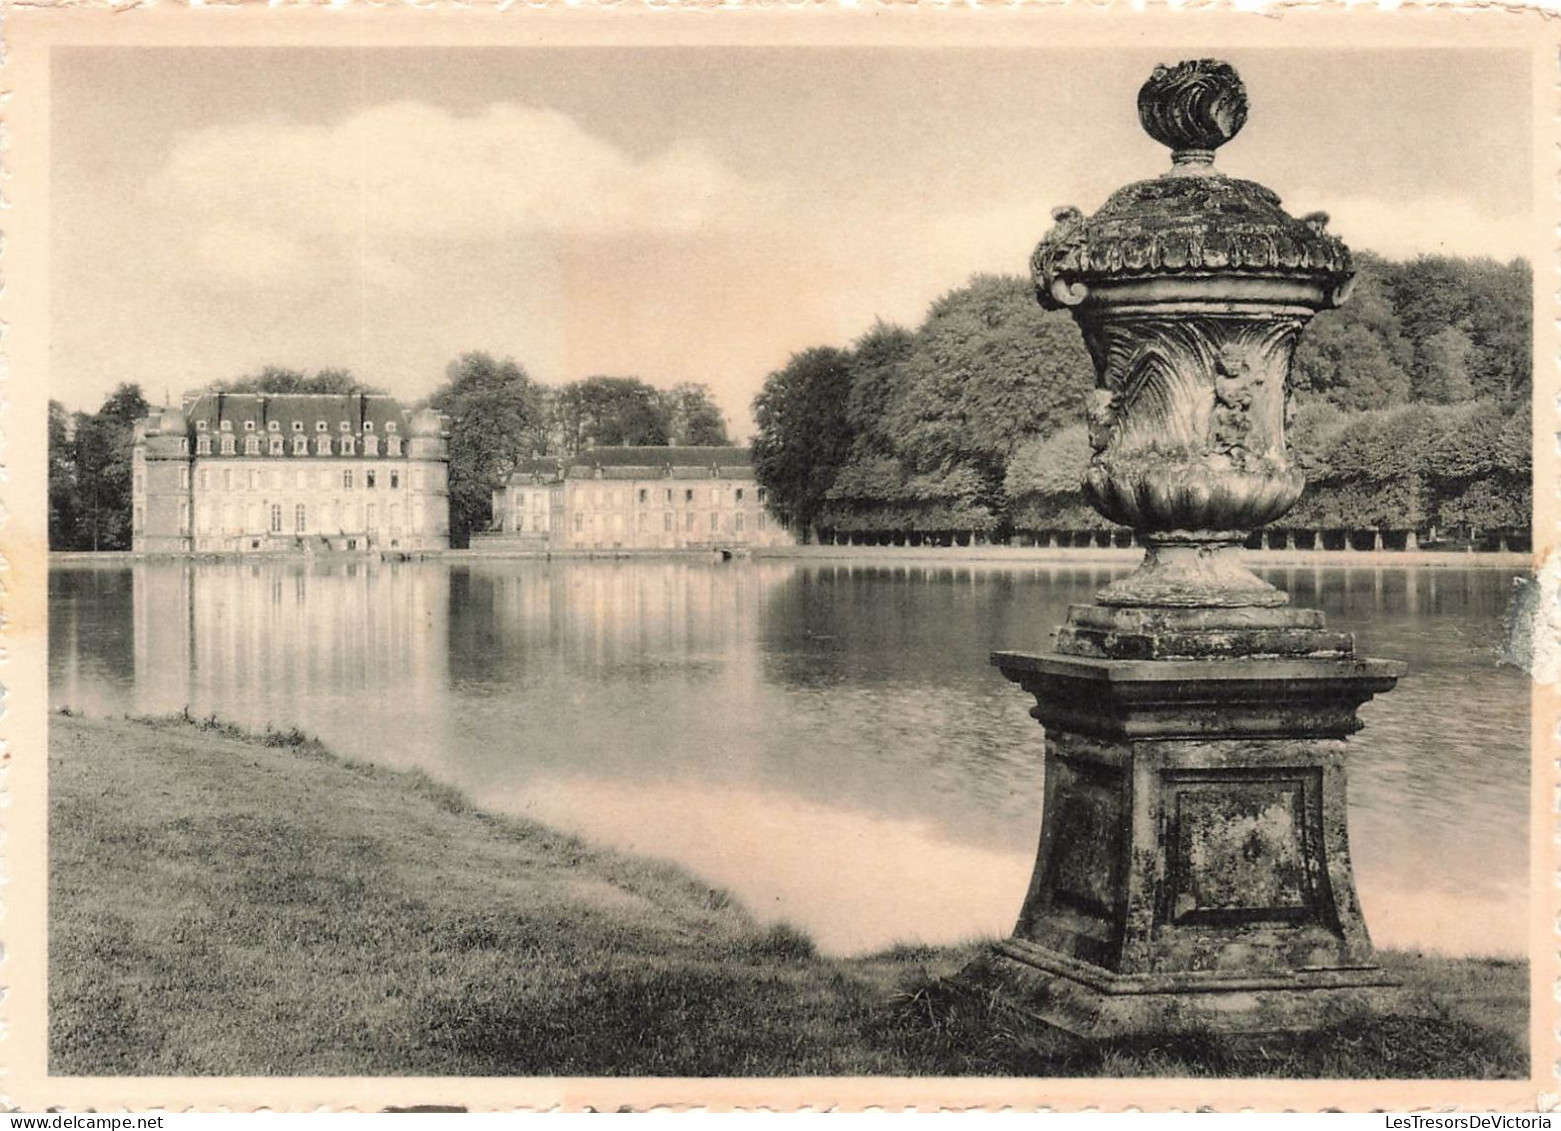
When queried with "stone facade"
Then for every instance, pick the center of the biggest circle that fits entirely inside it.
(248, 473)
(635, 498)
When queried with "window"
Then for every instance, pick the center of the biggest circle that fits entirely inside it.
(276, 479)
(368, 426)
(226, 426)
(276, 445)
(227, 445)
(391, 426)
(348, 446)
(322, 446)
(346, 480)
(764, 520)
(184, 445)
(763, 494)
(579, 522)
(252, 445)
(184, 516)
(715, 522)
(204, 481)
(300, 445)
(371, 445)
(393, 446)
(688, 522)
(249, 425)
(417, 479)
(371, 522)
(669, 496)
(739, 494)
(688, 495)
(200, 426)
(737, 522)
(298, 426)
(715, 496)
(395, 480)
(273, 426)
(140, 515)
(300, 518)
(254, 479)
(368, 480)
(227, 479)
(641, 524)
(644, 496)
(140, 487)
(666, 521)
(276, 518)
(184, 479)
(344, 426)
(320, 426)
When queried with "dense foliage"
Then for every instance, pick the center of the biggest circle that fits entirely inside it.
(89, 472)
(1412, 413)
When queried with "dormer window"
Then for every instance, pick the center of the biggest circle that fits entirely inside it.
(276, 445)
(203, 445)
(200, 426)
(300, 446)
(252, 445)
(227, 445)
(298, 426)
(393, 445)
(347, 446)
(344, 426)
(322, 445)
(321, 426)
(226, 425)
(371, 445)
(390, 426)
(368, 426)
(249, 425)
(273, 426)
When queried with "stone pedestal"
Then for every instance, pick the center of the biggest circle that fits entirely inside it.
(1194, 866)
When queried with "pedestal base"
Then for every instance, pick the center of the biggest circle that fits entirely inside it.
(1096, 1004)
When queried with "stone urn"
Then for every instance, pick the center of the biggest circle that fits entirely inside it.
(1191, 290)
(1194, 867)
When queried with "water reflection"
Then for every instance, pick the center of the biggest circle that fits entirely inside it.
(826, 740)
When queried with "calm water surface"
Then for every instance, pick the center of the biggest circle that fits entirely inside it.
(826, 741)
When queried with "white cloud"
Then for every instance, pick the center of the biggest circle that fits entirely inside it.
(251, 196)
(1427, 225)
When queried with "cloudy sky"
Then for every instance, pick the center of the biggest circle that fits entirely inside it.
(679, 214)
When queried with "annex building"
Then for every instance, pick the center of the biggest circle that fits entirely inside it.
(251, 472)
(635, 498)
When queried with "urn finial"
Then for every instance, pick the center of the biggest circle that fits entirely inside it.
(1193, 107)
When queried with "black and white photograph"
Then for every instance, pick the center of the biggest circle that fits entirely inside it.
(934, 556)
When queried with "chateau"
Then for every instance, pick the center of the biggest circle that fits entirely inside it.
(635, 498)
(252, 472)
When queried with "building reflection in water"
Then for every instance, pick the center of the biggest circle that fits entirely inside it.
(826, 740)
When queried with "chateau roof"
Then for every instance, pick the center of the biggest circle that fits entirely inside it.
(355, 409)
(641, 462)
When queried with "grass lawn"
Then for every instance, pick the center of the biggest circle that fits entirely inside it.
(228, 904)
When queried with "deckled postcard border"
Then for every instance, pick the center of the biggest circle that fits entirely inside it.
(29, 31)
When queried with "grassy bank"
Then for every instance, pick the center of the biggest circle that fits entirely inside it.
(250, 905)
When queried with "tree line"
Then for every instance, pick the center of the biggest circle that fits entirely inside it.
(499, 418)
(1412, 413)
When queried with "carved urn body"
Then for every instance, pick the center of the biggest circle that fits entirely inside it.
(1194, 866)
(1191, 290)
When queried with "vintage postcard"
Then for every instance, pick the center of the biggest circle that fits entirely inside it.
(614, 557)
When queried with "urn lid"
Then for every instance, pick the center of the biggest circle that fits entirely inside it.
(1192, 221)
